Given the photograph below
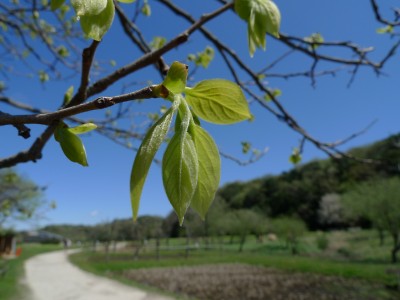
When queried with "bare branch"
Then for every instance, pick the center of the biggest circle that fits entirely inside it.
(99, 103)
(32, 154)
(255, 157)
(379, 17)
(282, 114)
(130, 28)
(152, 57)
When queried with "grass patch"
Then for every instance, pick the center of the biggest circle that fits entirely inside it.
(10, 282)
(96, 262)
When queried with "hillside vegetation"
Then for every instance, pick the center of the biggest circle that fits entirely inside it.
(303, 193)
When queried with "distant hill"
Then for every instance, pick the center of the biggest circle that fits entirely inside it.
(294, 193)
(299, 191)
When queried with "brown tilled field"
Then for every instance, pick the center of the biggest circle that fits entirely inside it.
(242, 282)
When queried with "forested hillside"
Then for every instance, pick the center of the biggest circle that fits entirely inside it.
(299, 193)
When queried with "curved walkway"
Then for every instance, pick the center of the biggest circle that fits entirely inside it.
(51, 276)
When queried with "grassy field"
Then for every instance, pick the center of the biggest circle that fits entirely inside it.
(350, 255)
(10, 287)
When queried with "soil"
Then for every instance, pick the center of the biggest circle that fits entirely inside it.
(239, 281)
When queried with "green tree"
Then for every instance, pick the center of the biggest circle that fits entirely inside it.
(243, 222)
(291, 229)
(379, 201)
(20, 198)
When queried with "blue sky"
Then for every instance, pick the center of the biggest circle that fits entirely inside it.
(330, 111)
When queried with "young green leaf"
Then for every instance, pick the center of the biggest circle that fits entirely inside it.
(68, 95)
(146, 9)
(295, 157)
(62, 51)
(209, 170)
(246, 146)
(262, 16)
(218, 101)
(82, 128)
(180, 172)
(175, 81)
(157, 42)
(71, 145)
(145, 155)
(88, 7)
(126, 1)
(386, 29)
(43, 76)
(315, 39)
(56, 4)
(275, 93)
(96, 26)
(202, 58)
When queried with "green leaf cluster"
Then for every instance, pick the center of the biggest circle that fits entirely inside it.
(191, 163)
(262, 16)
(203, 58)
(315, 39)
(274, 92)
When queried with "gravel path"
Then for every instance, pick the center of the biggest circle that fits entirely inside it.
(51, 276)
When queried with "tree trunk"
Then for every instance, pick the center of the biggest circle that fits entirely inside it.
(394, 256)
(187, 247)
(220, 243)
(242, 241)
(107, 249)
(136, 251)
(381, 234)
(294, 248)
(158, 248)
(396, 247)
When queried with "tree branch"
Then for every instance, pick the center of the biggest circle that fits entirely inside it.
(99, 103)
(379, 17)
(35, 151)
(153, 57)
(23, 131)
(282, 114)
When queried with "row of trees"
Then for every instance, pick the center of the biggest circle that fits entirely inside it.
(222, 222)
(376, 203)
